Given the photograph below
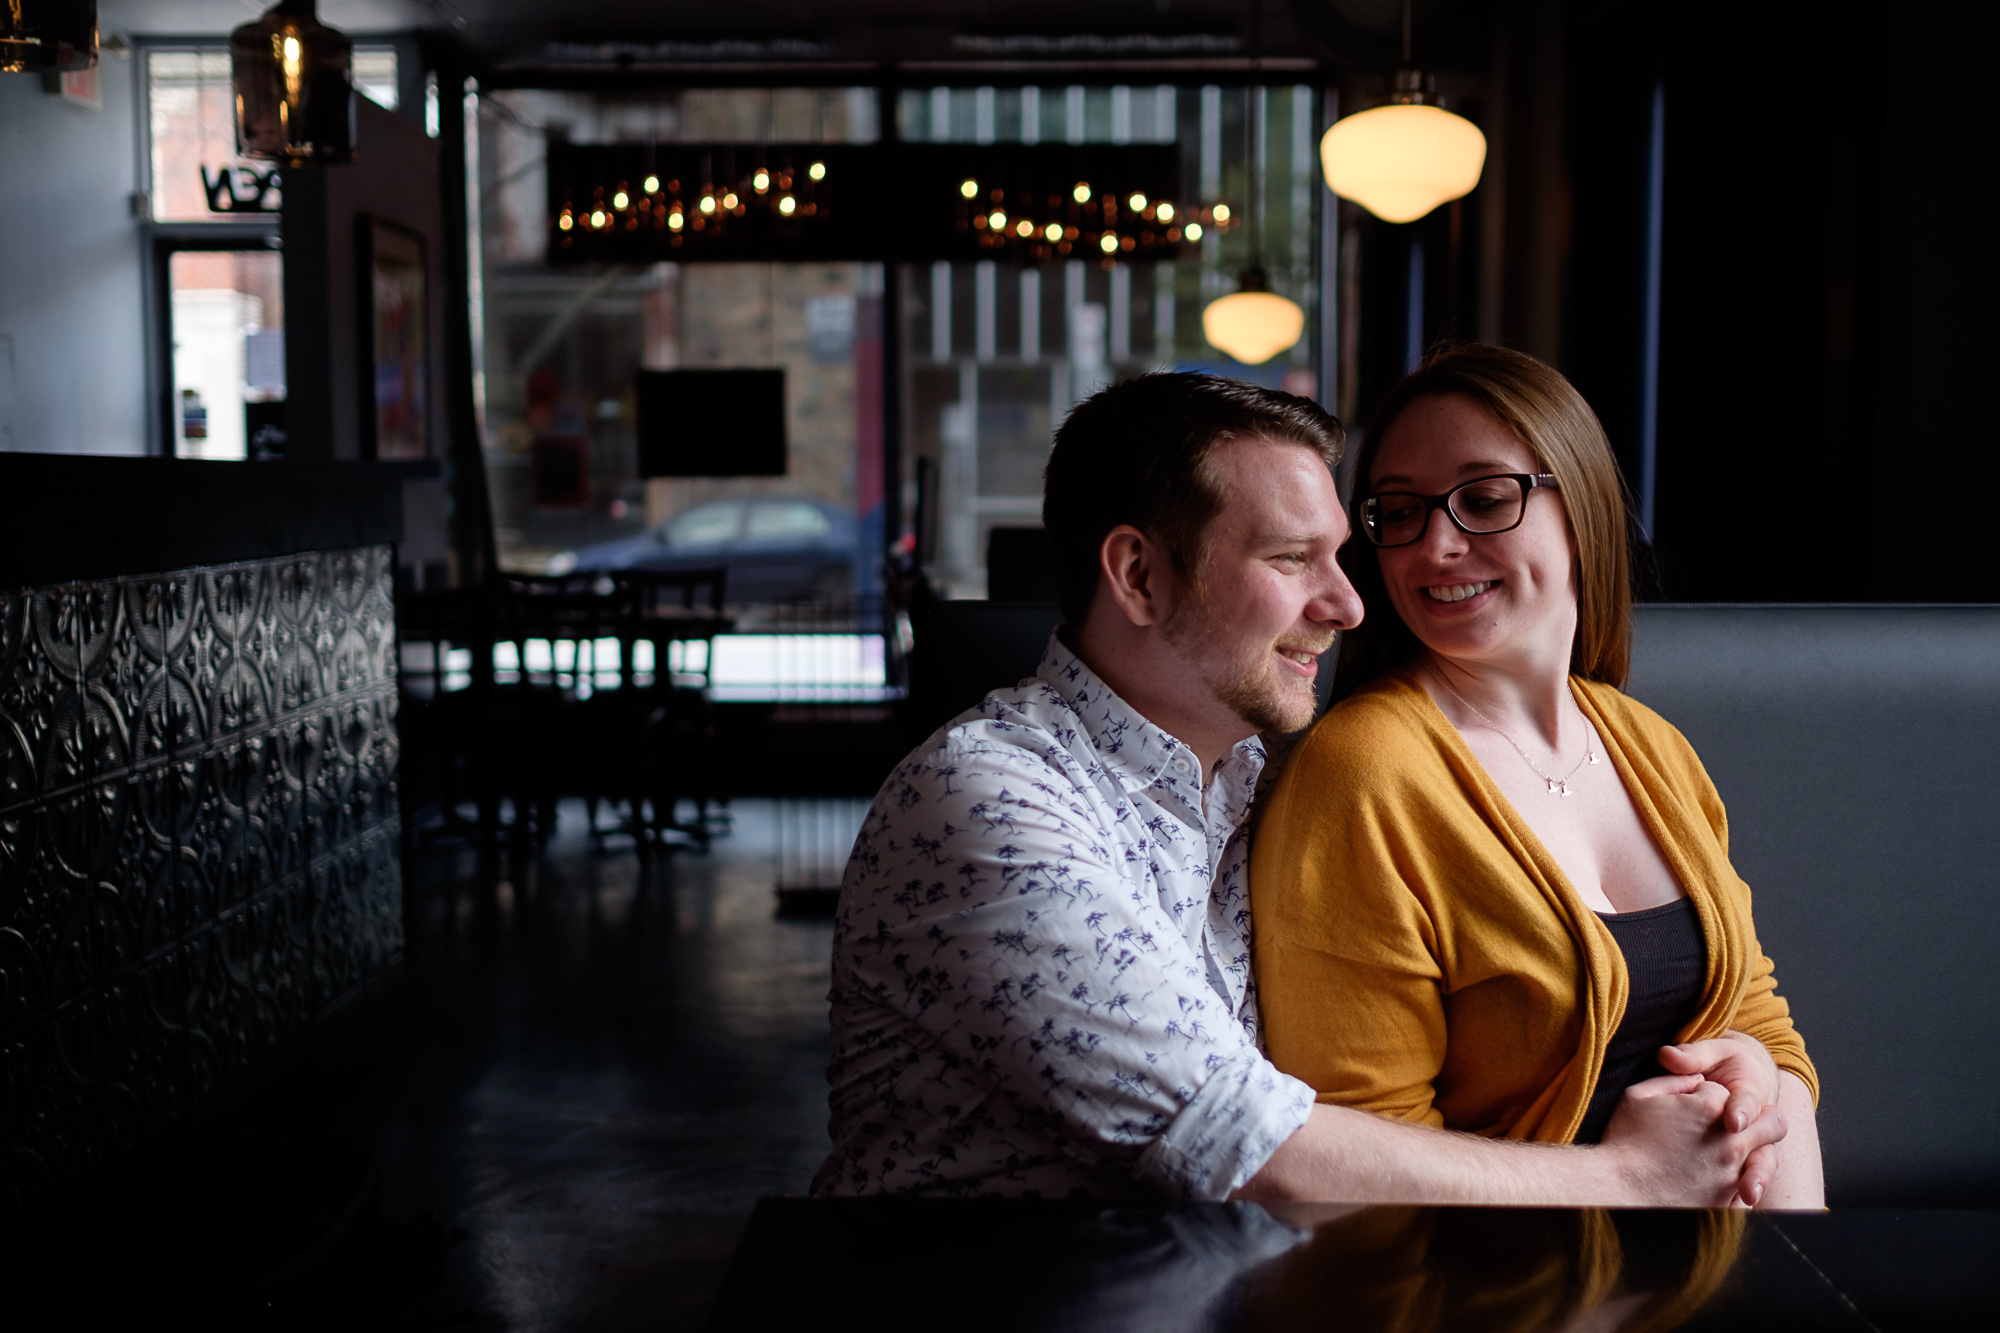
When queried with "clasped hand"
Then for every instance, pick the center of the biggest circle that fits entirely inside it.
(1706, 1133)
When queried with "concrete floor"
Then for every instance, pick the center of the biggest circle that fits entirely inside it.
(599, 1075)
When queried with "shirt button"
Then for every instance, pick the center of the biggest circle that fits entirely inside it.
(1180, 763)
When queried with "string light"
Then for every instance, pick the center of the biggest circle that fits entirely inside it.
(652, 185)
(997, 220)
(1138, 202)
(1165, 212)
(1221, 213)
(817, 171)
(729, 201)
(1194, 231)
(969, 188)
(1024, 228)
(1053, 231)
(1081, 193)
(761, 181)
(674, 219)
(787, 205)
(1108, 243)
(597, 217)
(563, 223)
(620, 199)
(708, 203)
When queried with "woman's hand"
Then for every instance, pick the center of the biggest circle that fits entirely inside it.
(1741, 1064)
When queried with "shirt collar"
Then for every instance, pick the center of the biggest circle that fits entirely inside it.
(1133, 750)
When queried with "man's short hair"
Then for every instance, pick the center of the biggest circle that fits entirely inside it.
(1138, 453)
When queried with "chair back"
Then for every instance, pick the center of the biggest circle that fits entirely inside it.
(964, 650)
(1854, 747)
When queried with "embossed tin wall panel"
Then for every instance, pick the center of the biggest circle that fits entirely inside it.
(198, 838)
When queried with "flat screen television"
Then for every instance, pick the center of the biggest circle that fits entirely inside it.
(712, 423)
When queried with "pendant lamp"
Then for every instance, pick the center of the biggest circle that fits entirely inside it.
(294, 80)
(1253, 323)
(1402, 160)
(47, 35)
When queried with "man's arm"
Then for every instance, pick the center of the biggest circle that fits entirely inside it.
(987, 905)
(1666, 1147)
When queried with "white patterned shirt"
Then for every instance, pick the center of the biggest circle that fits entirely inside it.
(1041, 962)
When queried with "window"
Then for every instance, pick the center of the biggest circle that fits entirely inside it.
(375, 75)
(707, 525)
(217, 277)
(192, 122)
(996, 353)
(561, 347)
(227, 320)
(770, 521)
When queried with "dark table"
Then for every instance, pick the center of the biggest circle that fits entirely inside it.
(1022, 1264)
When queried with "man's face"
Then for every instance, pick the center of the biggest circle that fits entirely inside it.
(1270, 592)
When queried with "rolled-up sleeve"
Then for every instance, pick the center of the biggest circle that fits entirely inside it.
(1226, 1134)
(994, 910)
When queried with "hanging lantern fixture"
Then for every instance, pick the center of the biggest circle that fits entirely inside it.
(1402, 160)
(294, 81)
(1253, 323)
(44, 35)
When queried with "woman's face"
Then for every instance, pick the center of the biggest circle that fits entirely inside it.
(1504, 599)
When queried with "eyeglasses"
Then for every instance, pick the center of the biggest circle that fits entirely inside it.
(1478, 508)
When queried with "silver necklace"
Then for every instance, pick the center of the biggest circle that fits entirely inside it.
(1557, 786)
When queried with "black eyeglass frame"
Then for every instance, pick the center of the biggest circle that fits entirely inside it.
(1529, 481)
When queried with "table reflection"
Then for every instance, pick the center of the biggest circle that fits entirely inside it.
(1077, 1265)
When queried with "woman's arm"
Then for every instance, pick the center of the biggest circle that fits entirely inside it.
(1800, 1182)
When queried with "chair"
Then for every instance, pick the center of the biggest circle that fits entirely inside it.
(965, 649)
(677, 740)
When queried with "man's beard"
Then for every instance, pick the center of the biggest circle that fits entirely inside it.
(1259, 698)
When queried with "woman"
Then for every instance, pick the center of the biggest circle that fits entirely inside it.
(1489, 886)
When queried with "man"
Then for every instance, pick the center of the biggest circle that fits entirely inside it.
(1041, 971)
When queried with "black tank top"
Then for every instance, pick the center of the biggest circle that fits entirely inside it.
(1666, 959)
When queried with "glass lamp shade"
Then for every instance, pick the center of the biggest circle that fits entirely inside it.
(294, 81)
(1253, 325)
(47, 35)
(1401, 161)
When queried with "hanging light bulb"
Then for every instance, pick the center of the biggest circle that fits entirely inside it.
(294, 82)
(1253, 323)
(1402, 160)
(53, 35)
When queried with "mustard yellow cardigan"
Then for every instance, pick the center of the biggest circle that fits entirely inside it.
(1420, 955)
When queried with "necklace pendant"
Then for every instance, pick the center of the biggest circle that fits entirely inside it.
(1557, 787)
(1593, 756)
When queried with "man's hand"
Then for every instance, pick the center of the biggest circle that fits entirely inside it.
(1740, 1063)
(1675, 1150)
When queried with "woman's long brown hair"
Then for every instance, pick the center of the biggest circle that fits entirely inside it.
(1545, 412)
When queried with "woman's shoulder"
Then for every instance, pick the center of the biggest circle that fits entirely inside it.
(1387, 727)
(1639, 727)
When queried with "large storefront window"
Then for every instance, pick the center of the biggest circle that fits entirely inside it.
(563, 347)
(997, 353)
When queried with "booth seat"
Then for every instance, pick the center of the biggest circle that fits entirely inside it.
(1855, 747)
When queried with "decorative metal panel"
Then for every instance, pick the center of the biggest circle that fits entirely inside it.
(199, 851)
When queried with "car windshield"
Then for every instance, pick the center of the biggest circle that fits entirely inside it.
(788, 520)
(705, 525)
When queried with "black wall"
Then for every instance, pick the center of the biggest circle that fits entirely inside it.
(1829, 282)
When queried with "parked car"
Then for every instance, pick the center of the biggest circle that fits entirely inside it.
(776, 549)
